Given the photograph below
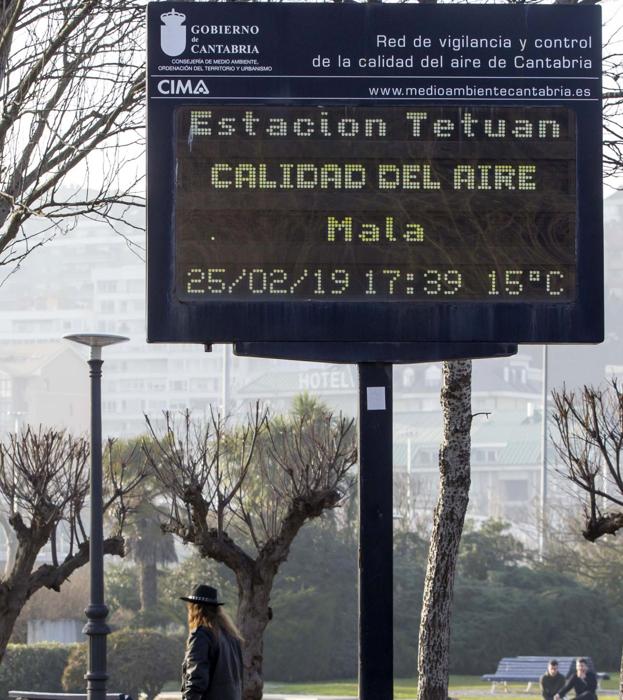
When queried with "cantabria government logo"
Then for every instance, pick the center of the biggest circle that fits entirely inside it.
(173, 33)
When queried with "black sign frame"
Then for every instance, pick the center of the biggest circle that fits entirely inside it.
(294, 80)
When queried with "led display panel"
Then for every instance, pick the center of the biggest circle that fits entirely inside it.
(339, 202)
(374, 173)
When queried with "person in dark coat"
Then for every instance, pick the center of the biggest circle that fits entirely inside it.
(552, 681)
(212, 667)
(583, 682)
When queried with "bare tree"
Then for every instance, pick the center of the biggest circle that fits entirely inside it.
(242, 496)
(455, 479)
(44, 484)
(612, 65)
(589, 441)
(71, 97)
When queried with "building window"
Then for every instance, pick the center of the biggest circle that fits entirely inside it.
(515, 489)
(5, 388)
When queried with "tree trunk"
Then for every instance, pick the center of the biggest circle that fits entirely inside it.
(148, 585)
(8, 616)
(621, 679)
(253, 617)
(454, 467)
(14, 590)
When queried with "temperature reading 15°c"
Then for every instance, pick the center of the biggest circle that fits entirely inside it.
(514, 283)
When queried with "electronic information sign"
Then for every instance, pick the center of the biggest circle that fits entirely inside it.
(369, 173)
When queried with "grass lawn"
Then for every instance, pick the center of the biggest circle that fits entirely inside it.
(403, 687)
(460, 686)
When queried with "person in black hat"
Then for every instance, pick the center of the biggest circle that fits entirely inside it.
(552, 681)
(212, 668)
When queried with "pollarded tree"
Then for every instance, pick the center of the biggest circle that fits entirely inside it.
(241, 497)
(71, 110)
(44, 485)
(589, 441)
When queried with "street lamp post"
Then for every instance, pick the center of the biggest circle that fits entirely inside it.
(97, 612)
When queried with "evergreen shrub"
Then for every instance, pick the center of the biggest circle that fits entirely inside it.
(139, 661)
(34, 667)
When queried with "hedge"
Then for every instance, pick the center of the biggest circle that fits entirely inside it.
(138, 661)
(37, 667)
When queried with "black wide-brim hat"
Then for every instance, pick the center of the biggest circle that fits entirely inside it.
(203, 594)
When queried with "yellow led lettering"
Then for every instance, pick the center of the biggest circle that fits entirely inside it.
(500, 131)
(330, 175)
(245, 176)
(277, 127)
(278, 277)
(257, 281)
(467, 122)
(443, 128)
(549, 128)
(286, 176)
(381, 127)
(199, 123)
(370, 233)
(411, 176)
(553, 277)
(343, 227)
(263, 182)
(354, 176)
(389, 228)
(303, 127)
(525, 177)
(196, 276)
(382, 191)
(484, 177)
(464, 177)
(504, 176)
(416, 119)
(306, 176)
(348, 127)
(226, 126)
(522, 129)
(514, 287)
(324, 124)
(389, 177)
(218, 181)
(427, 180)
(414, 233)
(249, 122)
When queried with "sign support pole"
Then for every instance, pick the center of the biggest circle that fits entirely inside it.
(376, 650)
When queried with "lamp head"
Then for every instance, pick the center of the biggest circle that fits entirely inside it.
(96, 341)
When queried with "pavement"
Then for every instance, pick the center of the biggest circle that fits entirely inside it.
(270, 696)
(463, 693)
(279, 696)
